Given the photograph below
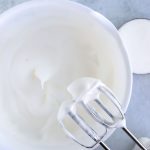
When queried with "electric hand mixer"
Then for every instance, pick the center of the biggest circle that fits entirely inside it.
(95, 102)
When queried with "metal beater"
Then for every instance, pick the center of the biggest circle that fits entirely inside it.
(101, 104)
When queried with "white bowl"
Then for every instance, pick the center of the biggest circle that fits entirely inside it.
(25, 16)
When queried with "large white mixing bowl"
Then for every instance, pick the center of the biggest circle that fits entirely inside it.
(36, 16)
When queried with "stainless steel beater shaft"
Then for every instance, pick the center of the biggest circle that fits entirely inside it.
(118, 122)
(110, 121)
(133, 138)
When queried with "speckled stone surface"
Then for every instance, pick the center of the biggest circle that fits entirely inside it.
(138, 113)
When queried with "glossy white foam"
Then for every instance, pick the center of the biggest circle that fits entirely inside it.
(44, 46)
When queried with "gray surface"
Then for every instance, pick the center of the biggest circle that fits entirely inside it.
(138, 114)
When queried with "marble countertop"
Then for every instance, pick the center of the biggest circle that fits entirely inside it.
(138, 113)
